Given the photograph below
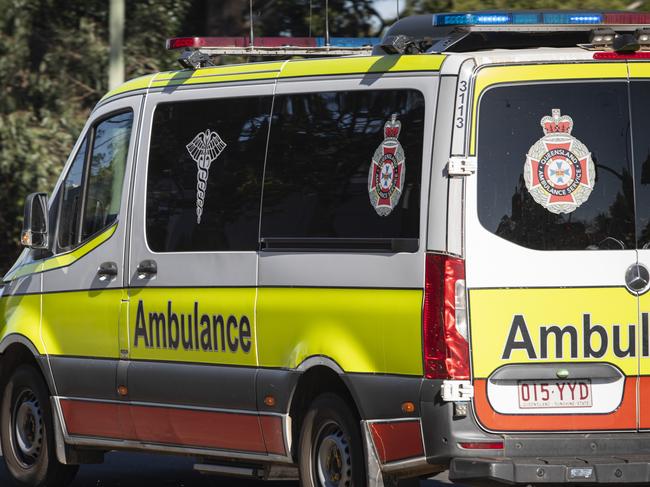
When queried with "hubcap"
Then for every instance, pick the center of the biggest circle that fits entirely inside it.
(27, 425)
(333, 460)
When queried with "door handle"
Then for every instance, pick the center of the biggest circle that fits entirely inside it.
(147, 268)
(107, 270)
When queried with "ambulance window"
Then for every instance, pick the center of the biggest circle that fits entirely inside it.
(640, 93)
(205, 170)
(71, 194)
(106, 173)
(320, 156)
(510, 127)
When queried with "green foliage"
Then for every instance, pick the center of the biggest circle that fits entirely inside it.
(347, 18)
(53, 69)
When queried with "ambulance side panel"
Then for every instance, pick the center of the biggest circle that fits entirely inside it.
(355, 311)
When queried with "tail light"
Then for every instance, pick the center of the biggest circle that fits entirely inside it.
(445, 329)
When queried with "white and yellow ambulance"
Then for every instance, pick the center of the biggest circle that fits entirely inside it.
(351, 271)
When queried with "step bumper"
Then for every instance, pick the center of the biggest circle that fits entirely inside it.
(631, 469)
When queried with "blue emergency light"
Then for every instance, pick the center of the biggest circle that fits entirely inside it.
(539, 18)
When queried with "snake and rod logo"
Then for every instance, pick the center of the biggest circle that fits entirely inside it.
(204, 149)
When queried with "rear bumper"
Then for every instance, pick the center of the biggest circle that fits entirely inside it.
(434, 439)
(631, 469)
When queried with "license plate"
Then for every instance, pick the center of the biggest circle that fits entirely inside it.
(535, 394)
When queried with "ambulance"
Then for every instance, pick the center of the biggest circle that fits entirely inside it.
(351, 271)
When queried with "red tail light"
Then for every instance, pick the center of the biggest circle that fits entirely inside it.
(446, 349)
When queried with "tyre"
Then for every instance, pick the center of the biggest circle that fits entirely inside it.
(27, 432)
(330, 448)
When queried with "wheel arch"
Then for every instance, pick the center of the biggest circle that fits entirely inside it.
(318, 375)
(16, 349)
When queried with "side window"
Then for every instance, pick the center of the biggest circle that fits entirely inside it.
(71, 195)
(93, 185)
(204, 176)
(570, 189)
(344, 166)
(106, 173)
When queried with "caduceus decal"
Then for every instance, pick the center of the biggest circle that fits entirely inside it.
(204, 149)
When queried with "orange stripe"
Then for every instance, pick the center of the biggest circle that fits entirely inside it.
(397, 440)
(623, 418)
(644, 402)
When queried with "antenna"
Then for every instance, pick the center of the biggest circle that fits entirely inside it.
(327, 23)
(250, 18)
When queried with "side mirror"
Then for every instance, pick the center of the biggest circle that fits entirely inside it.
(35, 224)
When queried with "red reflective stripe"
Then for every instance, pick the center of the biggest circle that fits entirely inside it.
(482, 445)
(198, 428)
(183, 427)
(273, 434)
(397, 440)
(103, 420)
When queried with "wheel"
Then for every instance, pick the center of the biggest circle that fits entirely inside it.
(27, 432)
(330, 448)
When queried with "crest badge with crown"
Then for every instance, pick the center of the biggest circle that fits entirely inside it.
(387, 170)
(559, 171)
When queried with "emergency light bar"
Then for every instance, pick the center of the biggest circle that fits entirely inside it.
(276, 46)
(540, 18)
(524, 29)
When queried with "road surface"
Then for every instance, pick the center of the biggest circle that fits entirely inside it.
(144, 470)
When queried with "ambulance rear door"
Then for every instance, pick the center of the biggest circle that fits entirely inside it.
(639, 102)
(550, 249)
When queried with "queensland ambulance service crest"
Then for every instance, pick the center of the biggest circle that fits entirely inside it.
(388, 170)
(559, 172)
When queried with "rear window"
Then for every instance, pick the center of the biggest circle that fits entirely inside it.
(590, 204)
(319, 180)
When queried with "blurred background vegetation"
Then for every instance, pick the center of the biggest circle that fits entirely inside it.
(54, 61)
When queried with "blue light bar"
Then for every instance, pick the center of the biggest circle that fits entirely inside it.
(518, 18)
(348, 41)
(492, 19)
(572, 18)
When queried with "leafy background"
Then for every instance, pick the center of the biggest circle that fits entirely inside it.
(54, 60)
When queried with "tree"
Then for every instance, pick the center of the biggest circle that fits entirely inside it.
(300, 18)
(53, 64)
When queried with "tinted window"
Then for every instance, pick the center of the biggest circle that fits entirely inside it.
(205, 171)
(319, 165)
(640, 92)
(509, 128)
(106, 174)
(71, 194)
